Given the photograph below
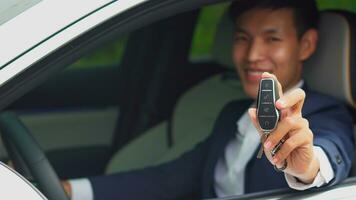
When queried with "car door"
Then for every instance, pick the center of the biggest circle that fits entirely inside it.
(109, 95)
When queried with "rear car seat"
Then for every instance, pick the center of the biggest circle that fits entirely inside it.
(328, 71)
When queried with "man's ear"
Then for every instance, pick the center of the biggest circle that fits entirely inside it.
(308, 44)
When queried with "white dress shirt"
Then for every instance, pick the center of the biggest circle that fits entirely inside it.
(230, 169)
(81, 189)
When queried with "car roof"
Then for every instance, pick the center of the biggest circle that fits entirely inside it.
(11, 8)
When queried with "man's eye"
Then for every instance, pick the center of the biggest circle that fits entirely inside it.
(274, 39)
(240, 38)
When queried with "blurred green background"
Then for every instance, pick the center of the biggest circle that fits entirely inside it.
(203, 37)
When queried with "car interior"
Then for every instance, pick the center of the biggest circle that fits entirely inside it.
(329, 71)
(154, 102)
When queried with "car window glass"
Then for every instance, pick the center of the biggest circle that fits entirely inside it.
(108, 55)
(205, 31)
(348, 5)
(87, 92)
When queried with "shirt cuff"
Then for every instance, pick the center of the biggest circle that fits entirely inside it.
(81, 189)
(324, 176)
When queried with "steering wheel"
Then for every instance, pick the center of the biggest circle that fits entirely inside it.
(29, 157)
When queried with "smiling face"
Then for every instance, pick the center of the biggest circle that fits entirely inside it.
(266, 41)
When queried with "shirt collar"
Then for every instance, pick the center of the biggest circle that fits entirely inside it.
(298, 85)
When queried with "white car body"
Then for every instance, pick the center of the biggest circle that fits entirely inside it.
(63, 23)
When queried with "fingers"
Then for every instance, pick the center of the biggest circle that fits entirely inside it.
(253, 116)
(293, 142)
(293, 99)
(67, 188)
(287, 125)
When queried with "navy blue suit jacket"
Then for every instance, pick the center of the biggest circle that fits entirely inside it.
(191, 176)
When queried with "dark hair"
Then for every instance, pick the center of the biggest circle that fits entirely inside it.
(306, 15)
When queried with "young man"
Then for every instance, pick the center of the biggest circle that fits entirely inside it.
(274, 36)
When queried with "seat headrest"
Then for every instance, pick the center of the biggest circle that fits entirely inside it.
(331, 70)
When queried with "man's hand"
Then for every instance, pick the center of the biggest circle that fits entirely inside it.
(67, 188)
(297, 149)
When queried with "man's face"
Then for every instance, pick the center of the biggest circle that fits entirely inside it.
(266, 41)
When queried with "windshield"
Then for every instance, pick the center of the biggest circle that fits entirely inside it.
(11, 8)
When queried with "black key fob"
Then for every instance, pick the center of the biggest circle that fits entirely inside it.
(267, 113)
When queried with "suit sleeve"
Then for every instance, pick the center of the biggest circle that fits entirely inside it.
(333, 132)
(178, 179)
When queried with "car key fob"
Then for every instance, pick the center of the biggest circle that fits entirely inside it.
(267, 113)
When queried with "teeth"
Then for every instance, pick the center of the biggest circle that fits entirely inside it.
(255, 73)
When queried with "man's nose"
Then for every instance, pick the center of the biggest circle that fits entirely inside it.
(256, 51)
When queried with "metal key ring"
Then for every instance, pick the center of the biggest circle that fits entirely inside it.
(281, 168)
(277, 147)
